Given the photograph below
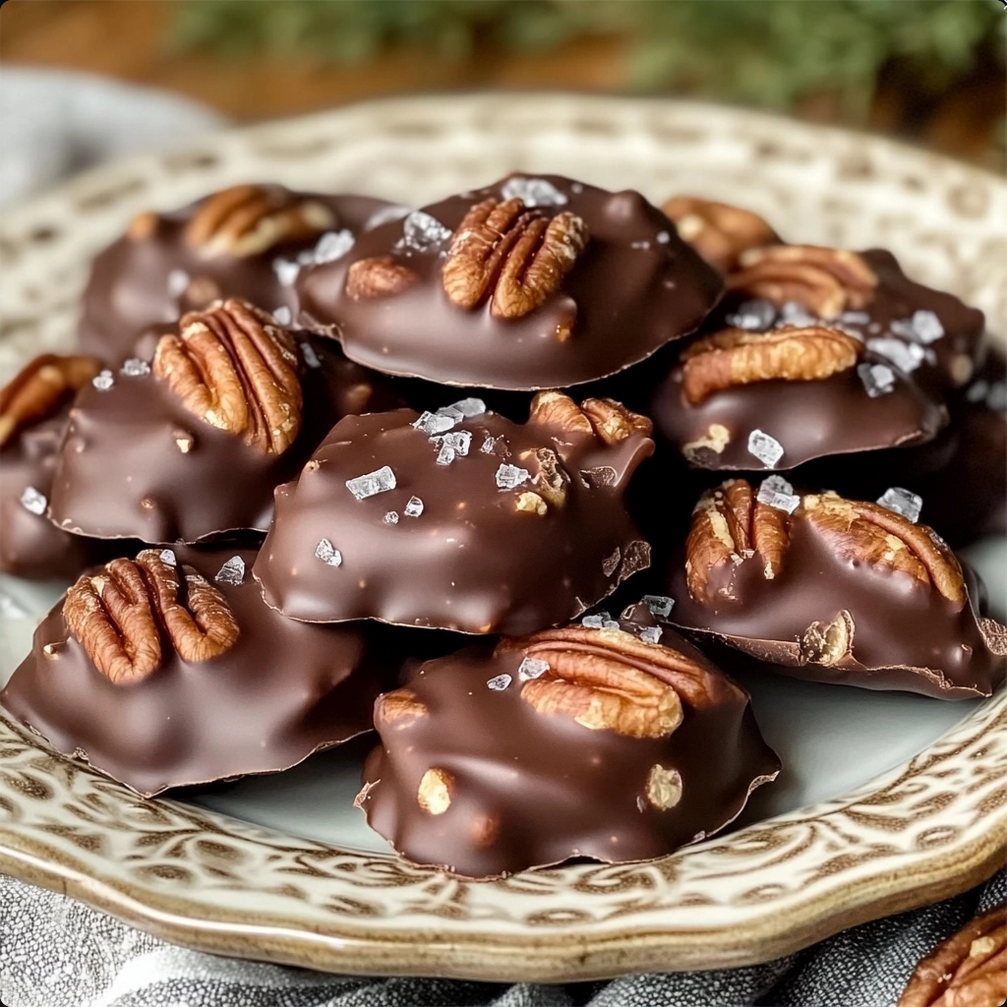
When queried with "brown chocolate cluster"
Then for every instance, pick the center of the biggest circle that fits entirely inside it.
(388, 396)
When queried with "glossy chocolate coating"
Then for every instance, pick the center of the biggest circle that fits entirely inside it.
(471, 561)
(635, 287)
(907, 635)
(530, 789)
(137, 463)
(132, 283)
(281, 692)
(30, 544)
(810, 419)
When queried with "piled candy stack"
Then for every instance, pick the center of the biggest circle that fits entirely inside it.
(289, 528)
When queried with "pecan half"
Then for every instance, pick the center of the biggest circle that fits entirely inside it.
(826, 281)
(734, 357)
(235, 369)
(40, 389)
(730, 524)
(514, 255)
(379, 276)
(868, 533)
(827, 644)
(605, 419)
(250, 219)
(968, 970)
(121, 615)
(718, 231)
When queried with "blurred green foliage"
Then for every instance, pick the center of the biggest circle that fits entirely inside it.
(764, 52)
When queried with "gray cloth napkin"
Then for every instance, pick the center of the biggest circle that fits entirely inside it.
(55, 952)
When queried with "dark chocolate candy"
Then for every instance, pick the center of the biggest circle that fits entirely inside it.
(34, 409)
(837, 591)
(512, 303)
(153, 455)
(769, 422)
(921, 331)
(253, 693)
(574, 742)
(461, 520)
(247, 241)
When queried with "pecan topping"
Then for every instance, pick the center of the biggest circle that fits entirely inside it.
(968, 970)
(737, 357)
(664, 787)
(399, 705)
(379, 276)
(234, 368)
(121, 615)
(827, 644)
(826, 281)
(434, 793)
(718, 231)
(868, 533)
(729, 525)
(514, 255)
(607, 420)
(250, 219)
(40, 390)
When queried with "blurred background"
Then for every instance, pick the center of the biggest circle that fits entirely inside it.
(929, 71)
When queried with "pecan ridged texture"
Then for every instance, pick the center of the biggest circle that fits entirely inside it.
(735, 357)
(718, 231)
(969, 969)
(826, 281)
(608, 421)
(871, 534)
(247, 220)
(729, 525)
(40, 389)
(236, 369)
(378, 276)
(125, 614)
(515, 256)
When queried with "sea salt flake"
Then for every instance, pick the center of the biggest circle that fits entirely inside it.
(651, 634)
(855, 317)
(793, 313)
(877, 379)
(467, 407)
(135, 367)
(510, 476)
(641, 805)
(659, 604)
(459, 441)
(283, 316)
(391, 517)
(286, 271)
(488, 445)
(996, 399)
(168, 557)
(902, 327)
(754, 316)
(413, 507)
(641, 245)
(310, 357)
(232, 572)
(371, 483)
(594, 621)
(178, 282)
(434, 423)
(33, 501)
(446, 455)
(331, 246)
(532, 667)
(767, 449)
(533, 192)
(328, 553)
(977, 391)
(421, 233)
(662, 237)
(927, 326)
(610, 624)
(902, 501)
(103, 381)
(777, 492)
(499, 683)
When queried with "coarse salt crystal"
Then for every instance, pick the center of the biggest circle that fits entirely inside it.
(33, 501)
(168, 557)
(283, 315)
(767, 449)
(286, 271)
(421, 233)
(328, 553)
(610, 624)
(902, 501)
(446, 455)
(659, 604)
(434, 423)
(499, 683)
(877, 379)
(906, 356)
(793, 313)
(651, 634)
(467, 407)
(510, 476)
(488, 445)
(232, 572)
(371, 483)
(103, 381)
(927, 326)
(459, 441)
(391, 517)
(755, 316)
(413, 507)
(532, 667)
(593, 621)
(331, 246)
(776, 492)
(135, 367)
(662, 237)
(310, 357)
(533, 192)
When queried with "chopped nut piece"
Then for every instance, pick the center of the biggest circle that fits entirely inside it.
(434, 794)
(379, 276)
(664, 788)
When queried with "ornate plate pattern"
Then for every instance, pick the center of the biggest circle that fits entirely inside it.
(921, 832)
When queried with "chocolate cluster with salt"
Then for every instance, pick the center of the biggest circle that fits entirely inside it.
(573, 742)
(527, 284)
(169, 670)
(247, 241)
(820, 587)
(460, 519)
(190, 444)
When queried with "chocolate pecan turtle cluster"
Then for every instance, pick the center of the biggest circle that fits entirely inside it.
(333, 465)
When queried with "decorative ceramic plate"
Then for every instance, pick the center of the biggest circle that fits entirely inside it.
(888, 801)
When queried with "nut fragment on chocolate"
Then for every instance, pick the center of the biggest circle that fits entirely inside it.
(507, 540)
(837, 590)
(720, 232)
(159, 676)
(969, 969)
(504, 288)
(615, 749)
